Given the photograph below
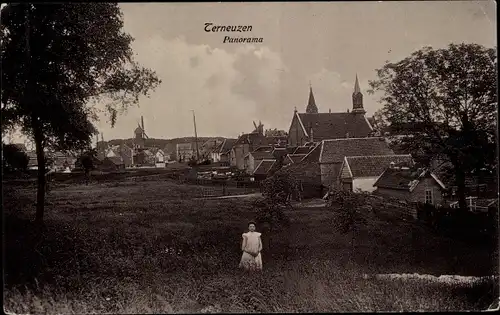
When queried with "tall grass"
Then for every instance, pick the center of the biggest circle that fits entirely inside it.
(142, 248)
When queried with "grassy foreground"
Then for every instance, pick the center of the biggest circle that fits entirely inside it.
(142, 247)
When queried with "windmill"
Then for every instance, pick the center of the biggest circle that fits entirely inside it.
(141, 125)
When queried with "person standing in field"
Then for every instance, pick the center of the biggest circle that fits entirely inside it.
(251, 245)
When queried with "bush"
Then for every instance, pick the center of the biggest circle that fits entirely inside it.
(14, 159)
(351, 212)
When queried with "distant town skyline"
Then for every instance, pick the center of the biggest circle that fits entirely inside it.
(229, 85)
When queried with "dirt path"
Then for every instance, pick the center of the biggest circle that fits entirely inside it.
(253, 195)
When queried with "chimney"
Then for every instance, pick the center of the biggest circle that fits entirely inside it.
(311, 137)
(348, 110)
(347, 135)
(330, 110)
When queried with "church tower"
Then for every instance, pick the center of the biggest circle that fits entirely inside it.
(311, 105)
(357, 99)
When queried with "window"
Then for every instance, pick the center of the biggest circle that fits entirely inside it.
(428, 196)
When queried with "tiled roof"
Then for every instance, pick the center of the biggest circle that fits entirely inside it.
(404, 178)
(334, 151)
(264, 167)
(302, 150)
(279, 152)
(296, 157)
(260, 155)
(225, 145)
(335, 125)
(371, 166)
(252, 138)
(397, 178)
(263, 148)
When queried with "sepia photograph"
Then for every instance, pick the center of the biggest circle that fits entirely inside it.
(249, 157)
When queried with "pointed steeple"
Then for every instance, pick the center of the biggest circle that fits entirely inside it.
(356, 85)
(311, 104)
(357, 99)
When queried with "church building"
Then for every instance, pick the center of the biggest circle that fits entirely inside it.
(313, 127)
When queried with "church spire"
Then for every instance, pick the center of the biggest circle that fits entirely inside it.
(356, 85)
(311, 105)
(357, 99)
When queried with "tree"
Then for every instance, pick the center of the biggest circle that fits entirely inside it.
(445, 101)
(379, 122)
(277, 191)
(13, 158)
(87, 161)
(351, 212)
(58, 61)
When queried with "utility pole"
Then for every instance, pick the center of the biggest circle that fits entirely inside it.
(196, 137)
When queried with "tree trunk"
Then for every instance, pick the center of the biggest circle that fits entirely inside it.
(40, 156)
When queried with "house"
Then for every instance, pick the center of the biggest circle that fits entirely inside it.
(313, 126)
(333, 152)
(321, 166)
(253, 159)
(112, 164)
(157, 157)
(96, 163)
(410, 185)
(263, 169)
(221, 152)
(307, 170)
(245, 144)
(361, 172)
(208, 147)
(185, 151)
(122, 151)
(60, 161)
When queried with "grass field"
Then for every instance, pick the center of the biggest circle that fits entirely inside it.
(145, 247)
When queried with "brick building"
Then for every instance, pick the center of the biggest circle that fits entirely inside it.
(313, 126)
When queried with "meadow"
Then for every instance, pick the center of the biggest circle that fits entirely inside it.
(153, 247)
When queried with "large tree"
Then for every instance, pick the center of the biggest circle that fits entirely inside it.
(446, 101)
(58, 61)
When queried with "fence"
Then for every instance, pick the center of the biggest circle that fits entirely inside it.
(395, 208)
(468, 226)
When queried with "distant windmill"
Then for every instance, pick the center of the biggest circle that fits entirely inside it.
(141, 125)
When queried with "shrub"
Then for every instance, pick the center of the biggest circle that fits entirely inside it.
(13, 158)
(351, 212)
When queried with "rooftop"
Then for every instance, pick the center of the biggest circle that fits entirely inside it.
(334, 151)
(334, 125)
(374, 165)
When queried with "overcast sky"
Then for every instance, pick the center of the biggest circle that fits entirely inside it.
(229, 85)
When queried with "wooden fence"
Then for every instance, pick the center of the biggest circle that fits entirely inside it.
(394, 208)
